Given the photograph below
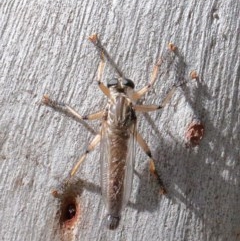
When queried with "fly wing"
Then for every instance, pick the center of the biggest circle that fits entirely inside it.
(117, 164)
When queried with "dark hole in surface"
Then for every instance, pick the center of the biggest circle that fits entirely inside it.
(70, 211)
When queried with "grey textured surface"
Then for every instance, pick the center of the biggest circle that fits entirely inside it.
(44, 49)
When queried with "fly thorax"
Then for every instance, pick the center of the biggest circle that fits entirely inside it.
(121, 113)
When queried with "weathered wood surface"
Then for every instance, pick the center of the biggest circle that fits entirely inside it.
(44, 50)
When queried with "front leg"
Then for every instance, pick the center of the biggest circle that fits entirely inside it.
(103, 52)
(138, 94)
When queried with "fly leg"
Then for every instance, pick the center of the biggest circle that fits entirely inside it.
(102, 87)
(138, 94)
(103, 52)
(142, 142)
(90, 147)
(62, 107)
(148, 108)
(152, 168)
(69, 111)
(66, 109)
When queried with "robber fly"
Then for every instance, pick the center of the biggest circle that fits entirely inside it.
(117, 135)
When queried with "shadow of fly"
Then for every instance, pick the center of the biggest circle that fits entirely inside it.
(117, 135)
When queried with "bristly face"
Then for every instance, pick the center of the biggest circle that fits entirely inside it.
(120, 84)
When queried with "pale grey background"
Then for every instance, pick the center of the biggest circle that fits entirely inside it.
(44, 49)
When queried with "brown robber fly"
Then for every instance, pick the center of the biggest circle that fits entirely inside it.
(117, 135)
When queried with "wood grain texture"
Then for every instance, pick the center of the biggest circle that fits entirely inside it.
(44, 50)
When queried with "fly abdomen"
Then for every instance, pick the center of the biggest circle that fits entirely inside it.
(117, 150)
(116, 174)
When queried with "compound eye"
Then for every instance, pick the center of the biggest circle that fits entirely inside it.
(112, 82)
(129, 83)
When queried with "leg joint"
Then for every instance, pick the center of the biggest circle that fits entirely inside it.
(149, 153)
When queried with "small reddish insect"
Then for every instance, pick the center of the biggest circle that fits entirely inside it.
(194, 133)
(117, 135)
